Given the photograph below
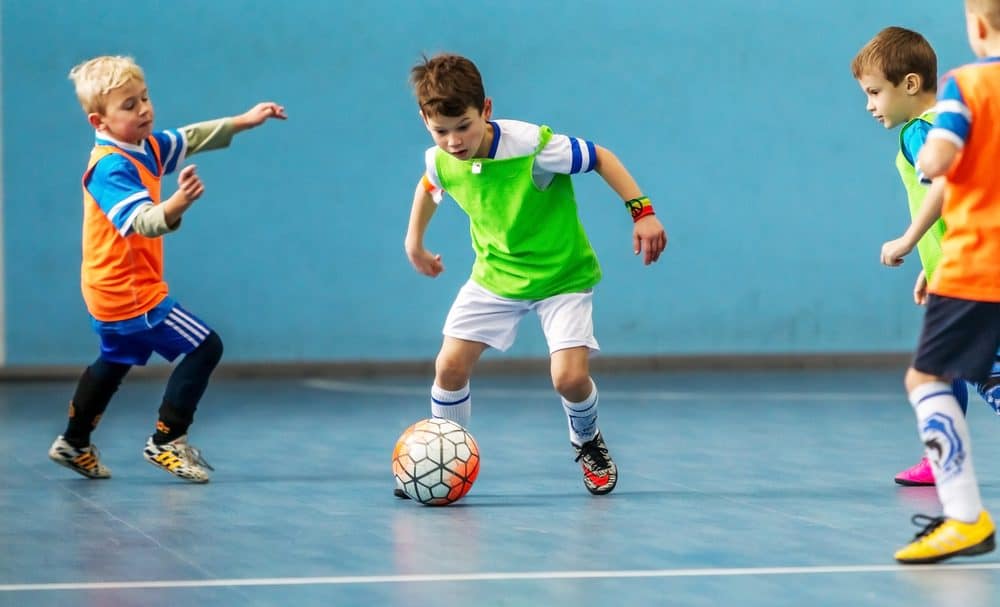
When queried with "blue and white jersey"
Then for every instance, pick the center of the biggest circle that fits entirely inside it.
(115, 183)
(953, 116)
(513, 138)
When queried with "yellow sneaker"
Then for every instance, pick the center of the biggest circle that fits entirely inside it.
(943, 538)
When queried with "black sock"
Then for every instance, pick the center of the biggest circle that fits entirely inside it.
(185, 388)
(94, 390)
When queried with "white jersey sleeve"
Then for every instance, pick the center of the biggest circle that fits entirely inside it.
(432, 183)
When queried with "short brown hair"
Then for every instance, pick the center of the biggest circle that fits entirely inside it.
(896, 52)
(987, 9)
(447, 85)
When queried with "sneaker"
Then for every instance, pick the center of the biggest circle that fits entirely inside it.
(85, 461)
(600, 474)
(990, 391)
(398, 491)
(918, 475)
(178, 458)
(943, 538)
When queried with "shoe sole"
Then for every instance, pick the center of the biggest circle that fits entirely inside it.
(79, 471)
(987, 545)
(908, 483)
(196, 481)
(400, 494)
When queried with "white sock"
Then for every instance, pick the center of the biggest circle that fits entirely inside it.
(455, 405)
(582, 417)
(946, 439)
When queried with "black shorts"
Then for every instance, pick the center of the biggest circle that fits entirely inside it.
(959, 338)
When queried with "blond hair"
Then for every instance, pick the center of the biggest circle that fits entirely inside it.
(987, 9)
(97, 77)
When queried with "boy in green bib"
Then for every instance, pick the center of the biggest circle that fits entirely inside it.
(512, 179)
(897, 70)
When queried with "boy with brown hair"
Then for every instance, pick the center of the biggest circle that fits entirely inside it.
(512, 179)
(961, 329)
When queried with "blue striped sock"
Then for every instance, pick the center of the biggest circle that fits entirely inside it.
(455, 405)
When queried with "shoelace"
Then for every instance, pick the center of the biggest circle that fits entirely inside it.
(929, 523)
(594, 454)
(193, 454)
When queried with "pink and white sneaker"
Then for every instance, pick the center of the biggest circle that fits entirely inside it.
(919, 475)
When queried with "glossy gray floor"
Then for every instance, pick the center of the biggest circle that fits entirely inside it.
(736, 489)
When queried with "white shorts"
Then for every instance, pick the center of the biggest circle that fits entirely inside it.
(479, 315)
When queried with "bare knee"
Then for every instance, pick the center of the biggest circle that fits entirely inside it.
(572, 384)
(451, 372)
(915, 379)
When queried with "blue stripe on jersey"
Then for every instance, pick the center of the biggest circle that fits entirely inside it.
(592, 152)
(116, 187)
(574, 146)
(952, 114)
(496, 140)
(146, 158)
(171, 148)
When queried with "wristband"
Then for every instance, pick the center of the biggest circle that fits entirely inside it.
(639, 207)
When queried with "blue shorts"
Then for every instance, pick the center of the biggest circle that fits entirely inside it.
(169, 330)
(959, 338)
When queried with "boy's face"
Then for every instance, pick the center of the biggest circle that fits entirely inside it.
(464, 136)
(128, 113)
(890, 104)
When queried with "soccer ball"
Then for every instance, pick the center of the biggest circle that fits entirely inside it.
(436, 461)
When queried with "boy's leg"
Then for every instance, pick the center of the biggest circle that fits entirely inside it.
(957, 338)
(567, 321)
(478, 319)
(181, 332)
(450, 394)
(921, 474)
(94, 390)
(990, 388)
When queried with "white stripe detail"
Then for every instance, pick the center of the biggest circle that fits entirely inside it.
(173, 325)
(504, 576)
(184, 148)
(953, 106)
(939, 133)
(126, 228)
(669, 396)
(170, 152)
(127, 201)
(199, 330)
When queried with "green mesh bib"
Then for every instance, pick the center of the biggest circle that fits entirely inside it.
(929, 246)
(529, 243)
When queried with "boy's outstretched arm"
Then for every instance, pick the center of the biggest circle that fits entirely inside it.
(894, 251)
(423, 209)
(648, 234)
(218, 133)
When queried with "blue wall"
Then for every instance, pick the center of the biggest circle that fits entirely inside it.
(741, 121)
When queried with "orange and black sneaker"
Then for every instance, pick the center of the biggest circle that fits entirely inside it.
(82, 460)
(600, 474)
(178, 458)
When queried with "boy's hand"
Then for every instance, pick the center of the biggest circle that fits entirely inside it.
(920, 289)
(256, 115)
(425, 262)
(894, 251)
(649, 236)
(189, 184)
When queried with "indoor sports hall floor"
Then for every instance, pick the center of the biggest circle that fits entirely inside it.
(737, 489)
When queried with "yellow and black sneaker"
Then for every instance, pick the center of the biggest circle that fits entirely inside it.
(82, 460)
(943, 538)
(178, 458)
(600, 474)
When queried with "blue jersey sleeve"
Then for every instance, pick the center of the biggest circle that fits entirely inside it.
(953, 117)
(116, 187)
(173, 149)
(913, 139)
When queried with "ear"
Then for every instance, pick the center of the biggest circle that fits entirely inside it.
(487, 109)
(95, 120)
(912, 83)
(982, 31)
